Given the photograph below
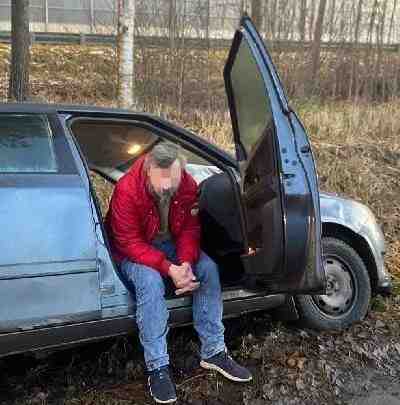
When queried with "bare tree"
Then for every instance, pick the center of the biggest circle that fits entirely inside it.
(172, 23)
(382, 21)
(370, 56)
(332, 20)
(292, 26)
(18, 89)
(311, 20)
(354, 77)
(125, 51)
(358, 21)
(282, 20)
(273, 13)
(372, 20)
(380, 85)
(256, 14)
(316, 46)
(302, 20)
(389, 37)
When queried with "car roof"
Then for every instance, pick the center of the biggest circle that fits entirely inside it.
(62, 108)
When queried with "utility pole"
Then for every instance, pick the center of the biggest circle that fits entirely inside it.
(18, 89)
(125, 53)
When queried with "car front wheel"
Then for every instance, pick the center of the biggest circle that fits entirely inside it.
(348, 290)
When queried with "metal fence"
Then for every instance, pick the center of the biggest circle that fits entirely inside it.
(65, 16)
(189, 18)
(216, 19)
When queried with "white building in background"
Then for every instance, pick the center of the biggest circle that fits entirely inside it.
(211, 18)
(194, 18)
(64, 16)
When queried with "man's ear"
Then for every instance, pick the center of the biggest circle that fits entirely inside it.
(146, 163)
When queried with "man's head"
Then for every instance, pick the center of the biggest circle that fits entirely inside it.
(164, 167)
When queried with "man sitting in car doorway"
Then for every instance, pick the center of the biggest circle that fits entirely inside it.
(154, 232)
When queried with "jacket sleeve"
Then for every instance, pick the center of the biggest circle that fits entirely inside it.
(188, 241)
(128, 235)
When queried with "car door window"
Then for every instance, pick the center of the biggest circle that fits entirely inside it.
(113, 145)
(252, 105)
(26, 144)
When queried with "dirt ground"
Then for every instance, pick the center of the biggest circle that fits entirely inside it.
(291, 365)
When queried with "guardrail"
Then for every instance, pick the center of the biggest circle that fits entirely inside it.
(154, 41)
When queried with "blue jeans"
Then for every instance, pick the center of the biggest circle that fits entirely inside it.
(152, 313)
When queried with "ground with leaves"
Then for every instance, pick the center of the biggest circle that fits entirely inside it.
(291, 365)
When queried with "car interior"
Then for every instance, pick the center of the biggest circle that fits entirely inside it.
(111, 147)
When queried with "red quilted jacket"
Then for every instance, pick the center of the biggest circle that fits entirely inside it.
(132, 221)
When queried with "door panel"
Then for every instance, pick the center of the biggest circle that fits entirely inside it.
(32, 302)
(48, 265)
(48, 261)
(279, 190)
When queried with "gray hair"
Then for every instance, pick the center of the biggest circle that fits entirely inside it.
(164, 154)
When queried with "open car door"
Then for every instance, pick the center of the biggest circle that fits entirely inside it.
(279, 188)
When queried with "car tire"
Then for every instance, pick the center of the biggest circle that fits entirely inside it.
(348, 293)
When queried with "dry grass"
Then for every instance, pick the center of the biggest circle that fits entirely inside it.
(357, 149)
(357, 146)
(358, 154)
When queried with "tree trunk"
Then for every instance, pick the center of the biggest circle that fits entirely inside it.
(380, 87)
(370, 55)
(316, 46)
(18, 89)
(273, 18)
(355, 62)
(256, 14)
(372, 22)
(302, 19)
(282, 20)
(382, 21)
(389, 37)
(332, 21)
(311, 21)
(172, 24)
(125, 50)
(292, 25)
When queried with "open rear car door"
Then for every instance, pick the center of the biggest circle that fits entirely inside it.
(279, 188)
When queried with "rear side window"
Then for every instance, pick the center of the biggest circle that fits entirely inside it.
(26, 144)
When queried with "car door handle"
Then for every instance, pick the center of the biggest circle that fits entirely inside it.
(305, 149)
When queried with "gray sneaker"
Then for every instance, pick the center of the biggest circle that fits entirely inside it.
(224, 364)
(161, 387)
